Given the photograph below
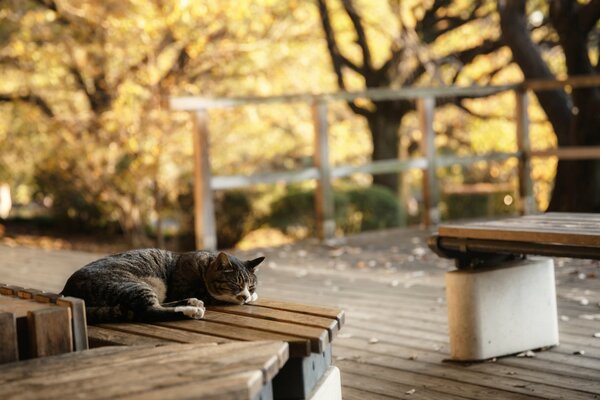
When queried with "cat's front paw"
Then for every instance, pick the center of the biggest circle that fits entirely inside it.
(195, 302)
(191, 311)
(254, 297)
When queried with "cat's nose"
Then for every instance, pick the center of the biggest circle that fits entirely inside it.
(242, 298)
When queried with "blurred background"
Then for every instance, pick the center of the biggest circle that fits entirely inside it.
(91, 154)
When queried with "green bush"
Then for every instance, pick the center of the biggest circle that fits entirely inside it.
(294, 212)
(375, 207)
(356, 210)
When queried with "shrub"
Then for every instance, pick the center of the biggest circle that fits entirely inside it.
(356, 210)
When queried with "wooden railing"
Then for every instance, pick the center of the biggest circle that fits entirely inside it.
(323, 172)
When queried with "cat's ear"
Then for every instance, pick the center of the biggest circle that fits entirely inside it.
(222, 261)
(252, 265)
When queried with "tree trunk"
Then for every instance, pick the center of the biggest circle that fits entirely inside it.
(384, 125)
(575, 122)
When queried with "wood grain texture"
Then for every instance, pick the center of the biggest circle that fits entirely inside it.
(78, 321)
(9, 347)
(551, 228)
(231, 370)
(50, 331)
(325, 312)
(298, 346)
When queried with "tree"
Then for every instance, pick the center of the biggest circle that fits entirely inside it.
(575, 118)
(423, 45)
(96, 100)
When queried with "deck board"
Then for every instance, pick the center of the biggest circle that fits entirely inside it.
(395, 334)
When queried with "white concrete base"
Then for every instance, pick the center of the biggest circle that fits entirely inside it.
(330, 386)
(502, 310)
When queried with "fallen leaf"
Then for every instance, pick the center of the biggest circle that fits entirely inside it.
(579, 352)
(584, 302)
(528, 354)
(564, 318)
(373, 340)
(411, 391)
(597, 335)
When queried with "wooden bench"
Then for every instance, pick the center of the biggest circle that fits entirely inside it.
(307, 331)
(175, 371)
(552, 234)
(35, 324)
(501, 300)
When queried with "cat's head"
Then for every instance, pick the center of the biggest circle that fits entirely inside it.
(232, 280)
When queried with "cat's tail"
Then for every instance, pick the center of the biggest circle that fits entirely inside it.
(107, 314)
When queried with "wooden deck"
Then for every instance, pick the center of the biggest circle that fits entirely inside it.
(395, 340)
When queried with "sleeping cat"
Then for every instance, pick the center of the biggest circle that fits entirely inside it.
(153, 284)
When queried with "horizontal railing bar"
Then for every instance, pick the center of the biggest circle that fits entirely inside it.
(574, 81)
(570, 153)
(447, 161)
(237, 181)
(379, 167)
(391, 166)
(190, 103)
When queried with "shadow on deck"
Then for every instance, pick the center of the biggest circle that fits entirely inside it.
(395, 340)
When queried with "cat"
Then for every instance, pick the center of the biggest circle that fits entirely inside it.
(154, 284)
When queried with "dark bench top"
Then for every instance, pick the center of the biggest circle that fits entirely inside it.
(574, 235)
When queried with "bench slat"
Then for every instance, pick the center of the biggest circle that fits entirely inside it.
(298, 346)
(99, 337)
(164, 333)
(78, 319)
(50, 331)
(318, 337)
(552, 228)
(136, 372)
(283, 316)
(317, 311)
(9, 347)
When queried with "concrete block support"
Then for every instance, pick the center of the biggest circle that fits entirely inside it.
(502, 310)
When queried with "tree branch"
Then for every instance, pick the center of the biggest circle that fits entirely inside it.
(30, 99)
(588, 15)
(361, 36)
(337, 59)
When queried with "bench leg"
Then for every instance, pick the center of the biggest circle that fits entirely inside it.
(502, 310)
(299, 376)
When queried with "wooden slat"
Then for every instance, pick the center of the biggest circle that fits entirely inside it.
(283, 316)
(135, 371)
(50, 331)
(8, 290)
(20, 307)
(242, 385)
(298, 346)
(318, 311)
(45, 297)
(318, 337)
(165, 333)
(552, 228)
(27, 294)
(98, 337)
(9, 347)
(78, 321)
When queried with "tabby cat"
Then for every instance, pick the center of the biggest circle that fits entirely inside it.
(153, 284)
